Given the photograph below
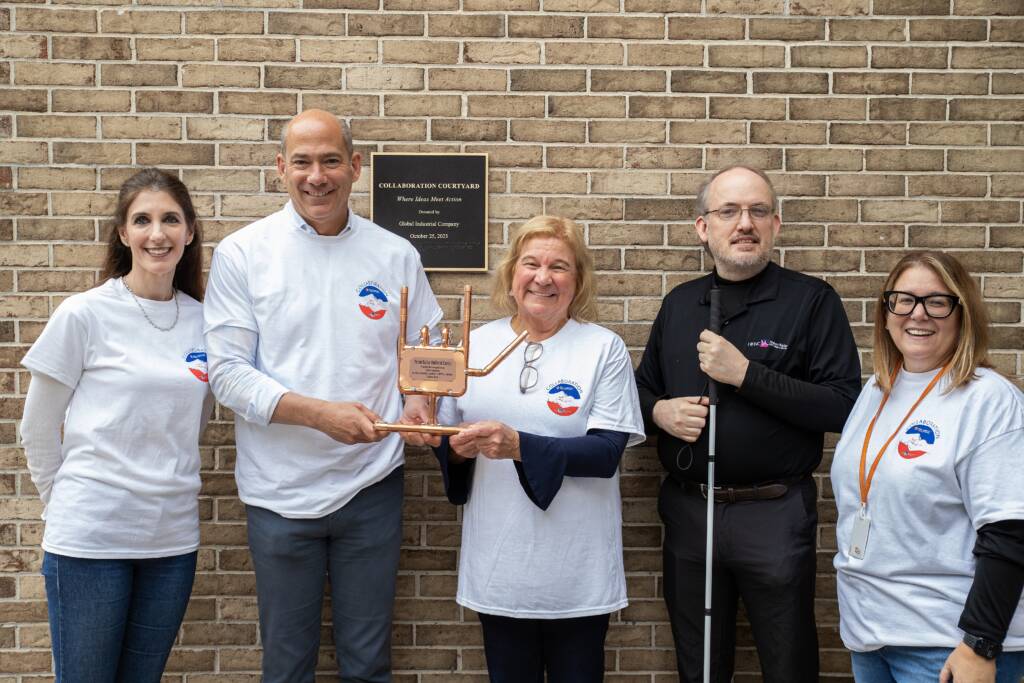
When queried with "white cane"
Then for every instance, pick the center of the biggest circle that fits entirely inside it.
(715, 325)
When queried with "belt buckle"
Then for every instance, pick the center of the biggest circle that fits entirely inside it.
(713, 490)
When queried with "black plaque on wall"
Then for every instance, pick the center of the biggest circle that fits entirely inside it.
(436, 201)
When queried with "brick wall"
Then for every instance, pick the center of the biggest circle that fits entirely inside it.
(887, 125)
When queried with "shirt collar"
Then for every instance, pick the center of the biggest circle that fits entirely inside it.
(765, 285)
(300, 223)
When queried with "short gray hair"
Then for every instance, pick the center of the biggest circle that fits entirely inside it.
(346, 135)
(705, 187)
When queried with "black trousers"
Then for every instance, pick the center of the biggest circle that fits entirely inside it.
(521, 650)
(764, 553)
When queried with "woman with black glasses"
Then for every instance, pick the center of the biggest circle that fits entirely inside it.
(537, 465)
(929, 481)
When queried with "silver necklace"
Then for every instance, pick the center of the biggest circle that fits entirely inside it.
(177, 309)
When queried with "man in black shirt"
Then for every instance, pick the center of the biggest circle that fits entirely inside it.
(788, 371)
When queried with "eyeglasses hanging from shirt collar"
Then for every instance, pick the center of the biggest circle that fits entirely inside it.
(528, 376)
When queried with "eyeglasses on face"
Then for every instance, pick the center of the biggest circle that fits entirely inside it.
(934, 305)
(528, 375)
(732, 212)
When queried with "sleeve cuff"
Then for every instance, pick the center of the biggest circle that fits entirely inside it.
(457, 477)
(541, 469)
(266, 405)
(752, 378)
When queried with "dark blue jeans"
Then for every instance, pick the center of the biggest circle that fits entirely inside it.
(357, 547)
(114, 621)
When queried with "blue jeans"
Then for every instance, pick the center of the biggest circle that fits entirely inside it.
(115, 620)
(922, 665)
(357, 547)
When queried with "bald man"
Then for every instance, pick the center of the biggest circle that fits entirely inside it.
(301, 320)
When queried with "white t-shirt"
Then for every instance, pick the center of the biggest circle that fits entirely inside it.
(518, 560)
(128, 482)
(955, 465)
(326, 312)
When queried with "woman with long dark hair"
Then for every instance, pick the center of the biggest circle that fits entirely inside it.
(121, 368)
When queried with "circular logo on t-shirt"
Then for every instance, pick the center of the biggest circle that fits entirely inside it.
(917, 440)
(564, 397)
(196, 361)
(373, 302)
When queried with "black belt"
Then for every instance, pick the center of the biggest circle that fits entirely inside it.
(769, 490)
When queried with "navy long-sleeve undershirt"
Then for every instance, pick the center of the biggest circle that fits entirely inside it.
(545, 462)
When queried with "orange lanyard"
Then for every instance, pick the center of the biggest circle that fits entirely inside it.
(865, 484)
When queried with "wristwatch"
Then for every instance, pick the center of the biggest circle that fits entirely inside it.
(983, 647)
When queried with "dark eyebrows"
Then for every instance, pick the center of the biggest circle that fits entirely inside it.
(177, 214)
(306, 156)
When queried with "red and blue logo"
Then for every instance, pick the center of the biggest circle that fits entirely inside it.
(196, 361)
(917, 440)
(373, 302)
(564, 398)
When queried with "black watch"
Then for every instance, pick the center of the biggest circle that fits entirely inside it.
(983, 647)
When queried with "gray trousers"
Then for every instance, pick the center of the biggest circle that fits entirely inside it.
(357, 548)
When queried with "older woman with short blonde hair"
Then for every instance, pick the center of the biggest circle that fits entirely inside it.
(584, 304)
(537, 465)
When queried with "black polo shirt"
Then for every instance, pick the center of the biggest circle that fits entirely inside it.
(803, 379)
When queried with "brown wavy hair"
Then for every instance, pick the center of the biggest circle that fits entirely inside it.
(584, 302)
(188, 274)
(971, 350)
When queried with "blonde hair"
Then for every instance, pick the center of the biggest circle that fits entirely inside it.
(584, 304)
(971, 350)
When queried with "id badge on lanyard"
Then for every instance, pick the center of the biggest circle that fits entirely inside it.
(862, 522)
(859, 537)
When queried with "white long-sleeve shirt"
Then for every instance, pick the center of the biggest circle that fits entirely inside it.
(45, 406)
(132, 399)
(289, 310)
